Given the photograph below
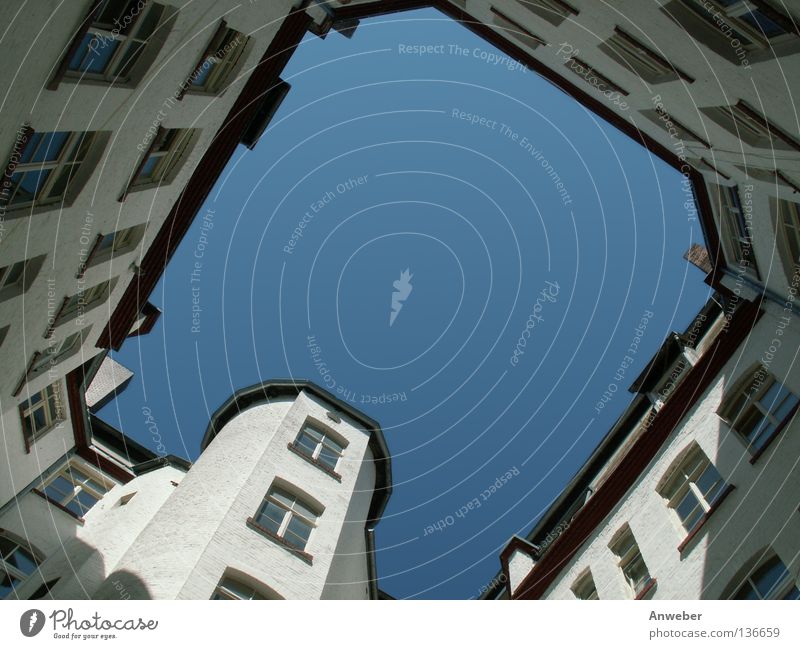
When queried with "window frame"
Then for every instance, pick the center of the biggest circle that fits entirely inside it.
(584, 587)
(511, 27)
(130, 38)
(66, 472)
(751, 38)
(787, 217)
(736, 233)
(51, 400)
(224, 67)
(223, 591)
(681, 480)
(289, 514)
(13, 572)
(747, 398)
(626, 548)
(97, 294)
(69, 159)
(169, 161)
(641, 60)
(326, 435)
(777, 591)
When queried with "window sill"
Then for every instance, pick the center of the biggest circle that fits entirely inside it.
(650, 585)
(316, 463)
(757, 454)
(305, 556)
(699, 525)
(58, 505)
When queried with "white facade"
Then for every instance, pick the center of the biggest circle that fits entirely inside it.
(169, 533)
(758, 518)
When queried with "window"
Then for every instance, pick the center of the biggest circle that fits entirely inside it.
(56, 353)
(746, 21)
(46, 167)
(788, 220)
(287, 517)
(594, 78)
(12, 276)
(164, 156)
(75, 490)
(510, 27)
(735, 228)
(770, 581)
(229, 588)
(584, 587)
(115, 41)
(676, 130)
(757, 408)
(319, 446)
(218, 64)
(18, 563)
(42, 412)
(84, 301)
(751, 127)
(693, 487)
(117, 243)
(553, 11)
(631, 562)
(640, 59)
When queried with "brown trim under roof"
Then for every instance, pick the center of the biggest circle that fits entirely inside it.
(264, 76)
(635, 462)
(78, 417)
(151, 315)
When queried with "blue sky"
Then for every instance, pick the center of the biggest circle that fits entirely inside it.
(444, 164)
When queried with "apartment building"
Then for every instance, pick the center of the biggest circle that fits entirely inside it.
(281, 504)
(119, 115)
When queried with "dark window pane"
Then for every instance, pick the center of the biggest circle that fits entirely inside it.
(50, 147)
(762, 24)
(271, 517)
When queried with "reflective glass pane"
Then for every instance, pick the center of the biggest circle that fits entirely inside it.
(23, 561)
(271, 517)
(33, 143)
(770, 575)
(50, 147)
(328, 458)
(762, 24)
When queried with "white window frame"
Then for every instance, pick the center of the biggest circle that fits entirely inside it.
(17, 268)
(12, 571)
(223, 66)
(752, 400)
(87, 300)
(324, 442)
(736, 235)
(627, 550)
(584, 587)
(52, 403)
(789, 231)
(168, 159)
(223, 590)
(683, 480)
(68, 472)
(289, 512)
(127, 42)
(69, 160)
